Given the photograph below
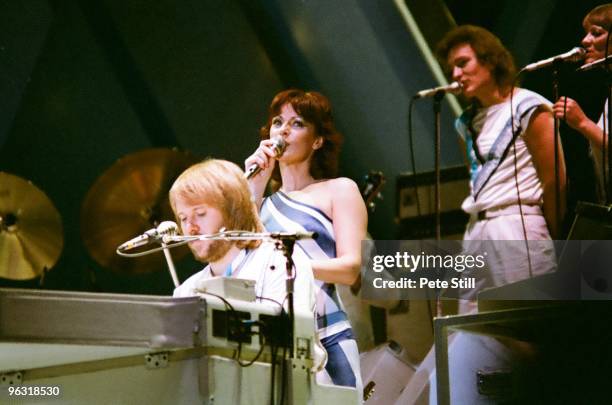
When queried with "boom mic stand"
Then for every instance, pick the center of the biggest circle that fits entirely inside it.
(437, 107)
(437, 101)
(556, 65)
(170, 264)
(556, 139)
(286, 244)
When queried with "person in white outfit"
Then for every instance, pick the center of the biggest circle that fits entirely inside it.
(513, 191)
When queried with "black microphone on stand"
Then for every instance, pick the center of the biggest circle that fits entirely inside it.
(279, 146)
(454, 87)
(574, 55)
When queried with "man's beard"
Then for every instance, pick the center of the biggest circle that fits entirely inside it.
(216, 250)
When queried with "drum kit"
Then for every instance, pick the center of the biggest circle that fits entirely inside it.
(129, 198)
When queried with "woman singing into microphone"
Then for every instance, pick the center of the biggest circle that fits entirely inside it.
(596, 25)
(309, 197)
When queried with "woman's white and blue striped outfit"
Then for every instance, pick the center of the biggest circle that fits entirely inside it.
(281, 213)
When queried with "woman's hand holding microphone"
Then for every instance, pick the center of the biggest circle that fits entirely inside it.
(259, 166)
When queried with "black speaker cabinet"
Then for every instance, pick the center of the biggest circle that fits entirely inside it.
(592, 222)
(454, 187)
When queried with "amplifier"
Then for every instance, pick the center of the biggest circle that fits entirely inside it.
(454, 187)
(592, 222)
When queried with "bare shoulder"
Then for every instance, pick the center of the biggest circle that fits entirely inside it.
(325, 194)
(348, 208)
(342, 185)
(334, 187)
(345, 193)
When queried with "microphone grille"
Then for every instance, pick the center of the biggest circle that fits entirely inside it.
(167, 228)
(456, 87)
(279, 146)
(578, 54)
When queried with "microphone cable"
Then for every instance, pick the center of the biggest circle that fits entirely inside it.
(412, 159)
(234, 319)
(515, 135)
(605, 152)
(149, 251)
(273, 351)
(418, 207)
(284, 371)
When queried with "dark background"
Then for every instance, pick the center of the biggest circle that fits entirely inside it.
(85, 83)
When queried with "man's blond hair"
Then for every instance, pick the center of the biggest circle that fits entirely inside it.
(220, 184)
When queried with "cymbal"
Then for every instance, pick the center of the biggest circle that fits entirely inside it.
(31, 235)
(128, 199)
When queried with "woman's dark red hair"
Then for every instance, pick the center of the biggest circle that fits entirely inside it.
(315, 108)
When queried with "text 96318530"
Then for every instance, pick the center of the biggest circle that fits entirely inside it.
(33, 391)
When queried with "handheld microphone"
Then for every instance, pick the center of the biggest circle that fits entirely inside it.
(150, 236)
(574, 55)
(595, 64)
(454, 87)
(279, 147)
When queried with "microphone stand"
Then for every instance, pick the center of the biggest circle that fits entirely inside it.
(607, 163)
(285, 244)
(606, 138)
(437, 107)
(170, 263)
(556, 139)
(437, 101)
